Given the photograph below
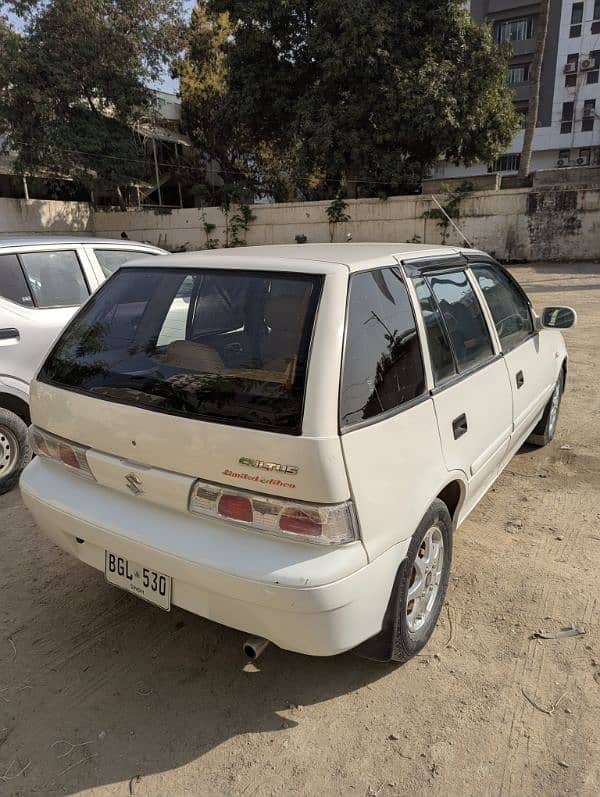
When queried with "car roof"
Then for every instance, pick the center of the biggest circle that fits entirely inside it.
(317, 258)
(46, 240)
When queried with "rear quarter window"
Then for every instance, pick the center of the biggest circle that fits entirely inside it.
(219, 345)
(383, 366)
(112, 259)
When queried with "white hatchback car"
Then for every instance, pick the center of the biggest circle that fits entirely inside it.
(43, 280)
(291, 456)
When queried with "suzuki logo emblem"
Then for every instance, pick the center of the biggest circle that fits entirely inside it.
(134, 483)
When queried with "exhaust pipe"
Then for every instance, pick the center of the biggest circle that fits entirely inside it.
(255, 647)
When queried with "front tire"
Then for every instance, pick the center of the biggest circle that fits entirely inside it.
(15, 450)
(546, 429)
(419, 591)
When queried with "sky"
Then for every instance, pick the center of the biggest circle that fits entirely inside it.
(167, 83)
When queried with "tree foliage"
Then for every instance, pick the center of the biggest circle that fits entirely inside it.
(310, 97)
(75, 79)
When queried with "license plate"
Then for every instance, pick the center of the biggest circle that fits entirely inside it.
(142, 581)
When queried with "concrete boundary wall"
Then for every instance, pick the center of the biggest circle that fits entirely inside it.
(552, 224)
(35, 216)
(529, 224)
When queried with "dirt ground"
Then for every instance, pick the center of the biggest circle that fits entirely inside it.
(101, 694)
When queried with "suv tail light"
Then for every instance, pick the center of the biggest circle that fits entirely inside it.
(69, 454)
(327, 524)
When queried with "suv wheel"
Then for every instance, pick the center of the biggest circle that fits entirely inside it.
(15, 451)
(419, 591)
(546, 429)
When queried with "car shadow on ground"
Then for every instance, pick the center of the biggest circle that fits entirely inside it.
(140, 691)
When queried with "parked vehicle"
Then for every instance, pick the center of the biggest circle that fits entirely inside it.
(43, 280)
(292, 457)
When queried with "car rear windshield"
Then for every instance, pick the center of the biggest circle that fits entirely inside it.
(220, 345)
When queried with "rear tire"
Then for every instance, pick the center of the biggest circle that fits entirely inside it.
(15, 450)
(419, 591)
(546, 429)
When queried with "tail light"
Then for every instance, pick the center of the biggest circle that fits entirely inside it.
(70, 454)
(326, 524)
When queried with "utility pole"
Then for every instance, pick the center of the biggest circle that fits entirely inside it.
(534, 100)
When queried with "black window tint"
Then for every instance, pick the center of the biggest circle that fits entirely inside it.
(151, 338)
(463, 318)
(13, 284)
(55, 278)
(112, 259)
(508, 306)
(442, 362)
(383, 367)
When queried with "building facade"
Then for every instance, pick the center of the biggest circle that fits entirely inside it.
(568, 128)
(162, 145)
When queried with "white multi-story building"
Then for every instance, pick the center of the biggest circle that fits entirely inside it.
(568, 131)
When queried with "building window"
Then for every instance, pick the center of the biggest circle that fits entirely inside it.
(567, 117)
(567, 111)
(506, 163)
(571, 69)
(576, 20)
(518, 74)
(513, 30)
(589, 114)
(596, 17)
(592, 76)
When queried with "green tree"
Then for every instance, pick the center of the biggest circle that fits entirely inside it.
(76, 78)
(318, 97)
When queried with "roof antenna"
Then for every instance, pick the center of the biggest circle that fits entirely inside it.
(462, 235)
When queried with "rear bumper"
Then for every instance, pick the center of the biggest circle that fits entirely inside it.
(301, 597)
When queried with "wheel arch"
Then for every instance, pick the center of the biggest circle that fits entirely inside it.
(453, 494)
(17, 405)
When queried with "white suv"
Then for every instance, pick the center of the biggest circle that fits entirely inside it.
(291, 455)
(43, 280)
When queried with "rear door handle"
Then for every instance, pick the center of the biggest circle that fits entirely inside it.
(9, 335)
(459, 426)
(520, 379)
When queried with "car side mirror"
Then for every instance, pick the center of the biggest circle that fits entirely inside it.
(558, 317)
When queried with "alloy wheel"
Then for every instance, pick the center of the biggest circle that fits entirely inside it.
(555, 402)
(425, 579)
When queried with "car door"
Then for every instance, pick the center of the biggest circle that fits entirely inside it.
(530, 366)
(40, 290)
(471, 396)
(387, 420)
